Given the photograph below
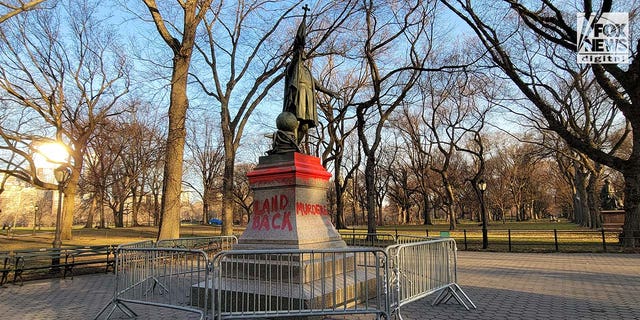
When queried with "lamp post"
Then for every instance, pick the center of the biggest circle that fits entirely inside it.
(482, 186)
(62, 175)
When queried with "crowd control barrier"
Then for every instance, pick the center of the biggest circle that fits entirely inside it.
(299, 283)
(160, 277)
(183, 274)
(162, 273)
(210, 245)
(423, 268)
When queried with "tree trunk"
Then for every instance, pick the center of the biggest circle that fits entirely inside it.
(370, 193)
(407, 213)
(227, 192)
(571, 216)
(156, 209)
(205, 209)
(592, 202)
(68, 205)
(582, 198)
(101, 210)
(119, 215)
(172, 183)
(135, 205)
(532, 213)
(425, 211)
(452, 214)
(339, 205)
(92, 211)
(631, 227)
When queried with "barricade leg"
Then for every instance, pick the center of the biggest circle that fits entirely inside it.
(453, 291)
(158, 277)
(116, 305)
(423, 268)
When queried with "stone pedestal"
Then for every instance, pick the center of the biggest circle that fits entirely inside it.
(289, 212)
(612, 220)
(289, 205)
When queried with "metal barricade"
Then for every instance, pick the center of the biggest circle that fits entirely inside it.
(284, 283)
(139, 244)
(379, 240)
(403, 238)
(422, 268)
(161, 277)
(300, 283)
(210, 245)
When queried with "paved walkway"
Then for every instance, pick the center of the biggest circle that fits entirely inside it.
(502, 285)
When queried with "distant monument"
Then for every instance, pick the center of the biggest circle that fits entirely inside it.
(608, 198)
(611, 213)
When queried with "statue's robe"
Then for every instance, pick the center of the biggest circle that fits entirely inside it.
(299, 88)
(300, 93)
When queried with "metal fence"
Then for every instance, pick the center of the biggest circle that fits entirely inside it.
(210, 245)
(423, 268)
(139, 244)
(402, 239)
(162, 273)
(160, 277)
(284, 283)
(552, 240)
(378, 240)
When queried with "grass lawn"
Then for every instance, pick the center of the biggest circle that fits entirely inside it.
(441, 225)
(525, 236)
(24, 238)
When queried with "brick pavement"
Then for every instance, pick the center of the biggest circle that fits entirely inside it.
(502, 285)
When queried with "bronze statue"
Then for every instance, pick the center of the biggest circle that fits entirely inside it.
(300, 86)
(284, 140)
(608, 199)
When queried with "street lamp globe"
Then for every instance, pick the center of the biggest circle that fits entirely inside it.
(482, 185)
(62, 175)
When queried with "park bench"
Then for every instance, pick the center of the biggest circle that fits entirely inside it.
(89, 255)
(61, 260)
(51, 259)
(6, 266)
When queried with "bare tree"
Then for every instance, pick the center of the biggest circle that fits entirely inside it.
(12, 8)
(243, 197)
(512, 50)
(415, 141)
(207, 160)
(123, 155)
(389, 74)
(62, 72)
(401, 182)
(143, 157)
(339, 127)
(347, 193)
(104, 155)
(181, 42)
